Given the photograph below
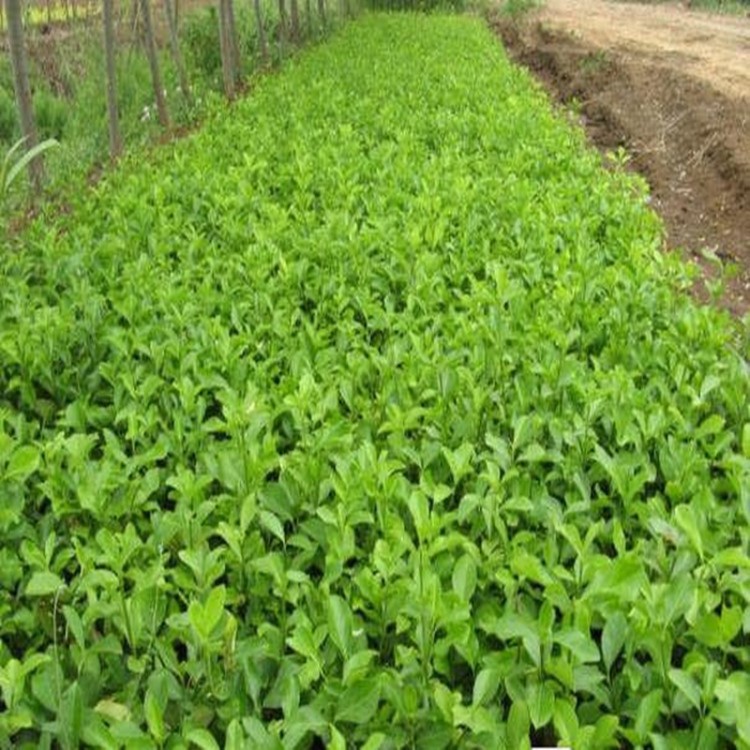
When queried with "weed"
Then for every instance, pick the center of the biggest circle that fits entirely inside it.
(13, 166)
(594, 61)
(518, 8)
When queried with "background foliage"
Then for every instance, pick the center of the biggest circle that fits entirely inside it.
(68, 79)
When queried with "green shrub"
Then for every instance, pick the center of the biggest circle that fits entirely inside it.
(200, 32)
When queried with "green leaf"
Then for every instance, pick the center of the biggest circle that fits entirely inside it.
(154, 714)
(201, 738)
(305, 721)
(420, 513)
(518, 727)
(374, 741)
(205, 617)
(464, 578)
(30, 665)
(581, 646)
(605, 732)
(734, 694)
(258, 736)
(613, 638)
(24, 462)
(96, 734)
(707, 630)
(357, 665)
(359, 702)
(75, 626)
(459, 461)
(44, 583)
(117, 712)
(686, 518)
(155, 704)
(486, 686)
(687, 686)
(621, 579)
(648, 713)
(528, 566)
(271, 523)
(337, 741)
(512, 625)
(718, 631)
(730, 623)
(235, 737)
(540, 699)
(70, 717)
(565, 722)
(340, 624)
(710, 426)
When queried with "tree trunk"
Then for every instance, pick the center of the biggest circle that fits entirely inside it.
(308, 15)
(233, 42)
(13, 14)
(322, 12)
(294, 6)
(174, 43)
(282, 26)
(225, 43)
(115, 140)
(262, 44)
(153, 61)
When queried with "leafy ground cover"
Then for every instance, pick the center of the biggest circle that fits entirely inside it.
(370, 416)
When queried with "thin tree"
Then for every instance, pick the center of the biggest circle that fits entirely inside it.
(227, 57)
(294, 8)
(282, 26)
(233, 40)
(170, 11)
(262, 44)
(322, 12)
(14, 15)
(108, 22)
(153, 61)
(308, 14)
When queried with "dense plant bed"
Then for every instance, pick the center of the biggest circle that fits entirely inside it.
(373, 414)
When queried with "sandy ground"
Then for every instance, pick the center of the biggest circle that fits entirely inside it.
(713, 48)
(671, 86)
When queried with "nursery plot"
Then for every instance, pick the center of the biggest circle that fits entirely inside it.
(371, 416)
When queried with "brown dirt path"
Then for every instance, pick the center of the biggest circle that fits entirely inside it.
(713, 48)
(671, 86)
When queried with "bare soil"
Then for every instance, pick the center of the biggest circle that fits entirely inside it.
(672, 87)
